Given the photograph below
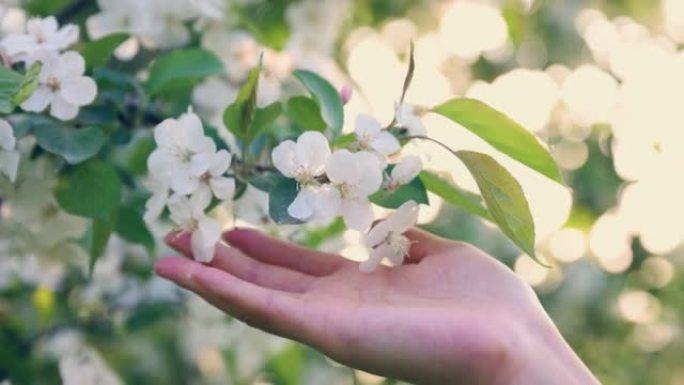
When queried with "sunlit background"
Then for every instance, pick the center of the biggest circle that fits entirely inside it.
(600, 82)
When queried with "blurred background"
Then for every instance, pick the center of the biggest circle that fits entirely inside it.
(602, 82)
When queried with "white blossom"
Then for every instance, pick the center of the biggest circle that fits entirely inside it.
(188, 215)
(42, 36)
(355, 176)
(184, 153)
(303, 160)
(86, 367)
(406, 117)
(9, 156)
(371, 136)
(385, 239)
(62, 86)
(213, 182)
(405, 171)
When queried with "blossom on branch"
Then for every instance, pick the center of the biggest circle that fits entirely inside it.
(386, 239)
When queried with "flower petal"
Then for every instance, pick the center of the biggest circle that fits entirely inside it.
(407, 170)
(220, 163)
(7, 140)
(38, 101)
(9, 163)
(375, 258)
(200, 163)
(313, 151)
(283, 158)
(357, 214)
(303, 206)
(69, 65)
(222, 187)
(161, 164)
(79, 91)
(182, 182)
(366, 126)
(385, 143)
(404, 217)
(61, 109)
(343, 167)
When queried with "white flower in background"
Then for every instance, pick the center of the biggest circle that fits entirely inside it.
(371, 136)
(168, 23)
(117, 16)
(385, 239)
(188, 215)
(303, 160)
(405, 171)
(355, 176)
(183, 155)
(9, 156)
(42, 36)
(315, 25)
(211, 9)
(213, 182)
(86, 368)
(238, 51)
(407, 118)
(62, 86)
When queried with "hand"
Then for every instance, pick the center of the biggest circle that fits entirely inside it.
(450, 315)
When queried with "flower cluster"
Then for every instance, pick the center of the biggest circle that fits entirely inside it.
(340, 183)
(187, 172)
(62, 84)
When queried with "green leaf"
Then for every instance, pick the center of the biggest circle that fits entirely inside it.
(186, 64)
(267, 181)
(91, 189)
(327, 97)
(131, 227)
(98, 52)
(264, 118)
(305, 112)
(9, 83)
(502, 133)
(75, 145)
(504, 198)
(279, 199)
(288, 365)
(413, 191)
(454, 195)
(28, 84)
(100, 232)
(239, 116)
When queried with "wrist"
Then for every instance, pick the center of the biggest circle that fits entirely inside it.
(544, 357)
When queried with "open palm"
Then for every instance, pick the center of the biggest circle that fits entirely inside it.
(450, 315)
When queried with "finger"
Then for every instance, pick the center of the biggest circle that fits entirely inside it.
(285, 254)
(424, 244)
(274, 311)
(233, 261)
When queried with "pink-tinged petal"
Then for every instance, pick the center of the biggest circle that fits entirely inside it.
(357, 214)
(39, 101)
(61, 109)
(79, 91)
(7, 140)
(407, 170)
(343, 167)
(9, 163)
(313, 151)
(385, 143)
(69, 65)
(220, 163)
(283, 158)
(223, 188)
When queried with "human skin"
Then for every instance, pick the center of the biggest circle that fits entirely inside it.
(451, 315)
